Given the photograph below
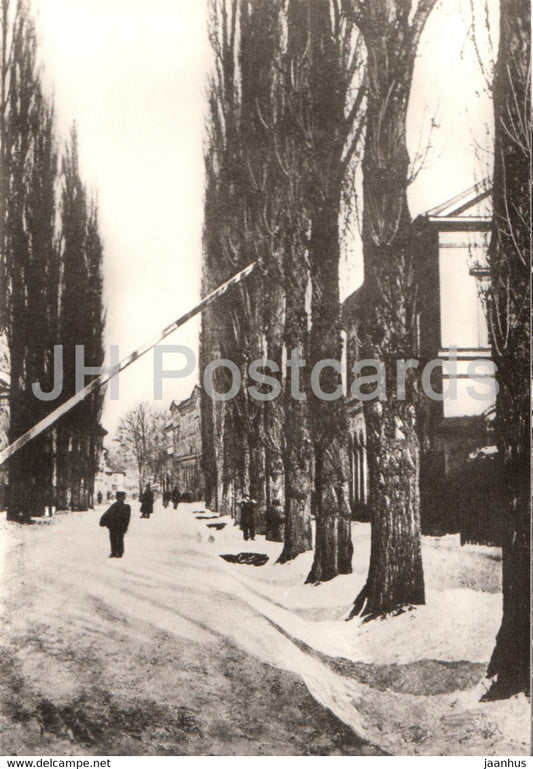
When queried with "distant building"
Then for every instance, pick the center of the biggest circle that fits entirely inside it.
(111, 478)
(184, 447)
(450, 247)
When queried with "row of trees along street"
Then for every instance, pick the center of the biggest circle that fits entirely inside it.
(51, 281)
(304, 92)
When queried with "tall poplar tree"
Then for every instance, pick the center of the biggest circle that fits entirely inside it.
(509, 305)
(332, 134)
(290, 155)
(29, 256)
(222, 440)
(42, 289)
(80, 327)
(391, 30)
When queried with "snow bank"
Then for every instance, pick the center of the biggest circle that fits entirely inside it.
(377, 677)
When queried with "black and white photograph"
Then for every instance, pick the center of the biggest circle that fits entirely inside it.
(265, 408)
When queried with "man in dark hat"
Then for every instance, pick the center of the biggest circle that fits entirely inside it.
(248, 516)
(117, 519)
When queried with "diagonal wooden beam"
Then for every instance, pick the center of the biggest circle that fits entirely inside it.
(65, 407)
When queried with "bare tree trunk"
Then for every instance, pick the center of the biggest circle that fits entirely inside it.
(257, 488)
(510, 660)
(391, 37)
(333, 545)
(299, 454)
(508, 304)
(274, 415)
(395, 574)
(218, 414)
(324, 80)
(208, 416)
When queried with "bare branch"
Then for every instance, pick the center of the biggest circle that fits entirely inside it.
(419, 21)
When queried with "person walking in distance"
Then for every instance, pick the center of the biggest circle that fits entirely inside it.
(147, 502)
(248, 517)
(117, 519)
(275, 519)
(176, 497)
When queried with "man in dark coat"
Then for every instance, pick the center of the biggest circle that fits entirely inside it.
(147, 502)
(176, 496)
(117, 519)
(248, 517)
(275, 518)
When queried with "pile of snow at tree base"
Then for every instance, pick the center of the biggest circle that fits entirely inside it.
(410, 683)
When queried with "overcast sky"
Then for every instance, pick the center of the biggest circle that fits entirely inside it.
(132, 74)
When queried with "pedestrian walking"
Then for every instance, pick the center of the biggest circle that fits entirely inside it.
(248, 516)
(117, 519)
(275, 518)
(176, 497)
(147, 502)
(166, 498)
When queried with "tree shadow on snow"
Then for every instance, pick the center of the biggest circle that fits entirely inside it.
(250, 559)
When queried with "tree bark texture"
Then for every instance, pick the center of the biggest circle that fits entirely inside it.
(333, 544)
(299, 455)
(508, 304)
(330, 44)
(395, 575)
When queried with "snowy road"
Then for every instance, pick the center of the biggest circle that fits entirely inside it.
(173, 650)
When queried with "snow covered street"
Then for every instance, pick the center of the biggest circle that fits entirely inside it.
(173, 650)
